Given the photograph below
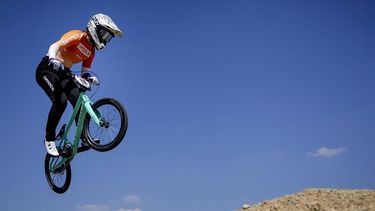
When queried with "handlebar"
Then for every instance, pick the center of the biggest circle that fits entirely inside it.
(82, 83)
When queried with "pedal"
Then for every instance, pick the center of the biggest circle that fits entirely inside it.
(67, 151)
(61, 133)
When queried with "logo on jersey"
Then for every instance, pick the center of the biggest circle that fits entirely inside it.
(84, 50)
(71, 38)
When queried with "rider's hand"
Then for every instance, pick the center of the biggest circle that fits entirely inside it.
(56, 64)
(92, 79)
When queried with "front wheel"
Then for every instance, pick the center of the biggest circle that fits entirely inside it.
(110, 133)
(59, 179)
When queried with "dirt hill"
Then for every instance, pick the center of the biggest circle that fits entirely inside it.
(319, 200)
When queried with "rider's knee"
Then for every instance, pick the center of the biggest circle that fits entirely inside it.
(59, 105)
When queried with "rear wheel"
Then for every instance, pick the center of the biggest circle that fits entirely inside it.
(110, 133)
(58, 180)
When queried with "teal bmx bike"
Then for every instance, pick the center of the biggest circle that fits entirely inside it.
(102, 125)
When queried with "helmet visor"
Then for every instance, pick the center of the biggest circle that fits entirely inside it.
(105, 36)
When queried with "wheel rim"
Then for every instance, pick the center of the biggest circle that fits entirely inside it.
(58, 180)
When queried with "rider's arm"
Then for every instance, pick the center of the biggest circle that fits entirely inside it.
(52, 53)
(53, 49)
(86, 68)
(86, 64)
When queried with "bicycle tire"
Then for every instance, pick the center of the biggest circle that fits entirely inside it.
(94, 132)
(51, 180)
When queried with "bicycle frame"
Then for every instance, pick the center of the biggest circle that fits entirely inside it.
(83, 106)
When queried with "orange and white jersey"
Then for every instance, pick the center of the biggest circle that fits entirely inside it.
(73, 47)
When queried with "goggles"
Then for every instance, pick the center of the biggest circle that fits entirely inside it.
(105, 36)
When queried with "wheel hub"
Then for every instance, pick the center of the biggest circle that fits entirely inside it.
(104, 123)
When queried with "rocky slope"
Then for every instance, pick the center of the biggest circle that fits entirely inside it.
(319, 200)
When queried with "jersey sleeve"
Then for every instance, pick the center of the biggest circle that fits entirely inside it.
(87, 62)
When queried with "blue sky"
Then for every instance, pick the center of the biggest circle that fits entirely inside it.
(229, 102)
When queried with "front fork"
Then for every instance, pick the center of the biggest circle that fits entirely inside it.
(87, 105)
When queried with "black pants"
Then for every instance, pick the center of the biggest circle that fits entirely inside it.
(59, 88)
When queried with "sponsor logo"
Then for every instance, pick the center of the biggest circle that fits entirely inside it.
(84, 50)
(49, 83)
(71, 38)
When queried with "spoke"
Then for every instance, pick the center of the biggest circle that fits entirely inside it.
(110, 114)
(58, 179)
(115, 130)
(111, 134)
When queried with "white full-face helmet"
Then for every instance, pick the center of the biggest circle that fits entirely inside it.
(101, 29)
